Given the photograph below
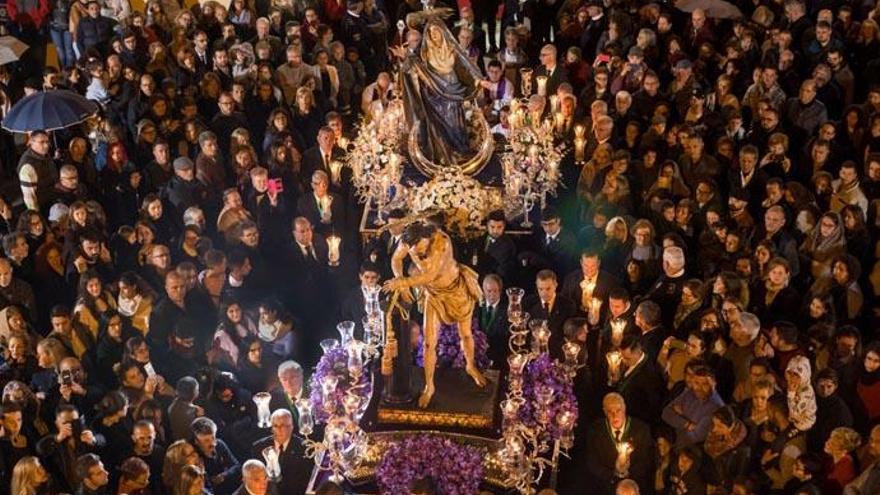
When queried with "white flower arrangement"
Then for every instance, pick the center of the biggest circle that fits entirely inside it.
(463, 200)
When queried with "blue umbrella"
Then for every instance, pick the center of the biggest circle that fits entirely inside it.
(49, 111)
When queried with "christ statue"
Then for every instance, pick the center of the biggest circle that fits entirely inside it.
(450, 291)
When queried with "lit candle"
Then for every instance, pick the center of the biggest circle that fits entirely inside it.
(624, 450)
(262, 399)
(614, 359)
(580, 146)
(571, 351)
(560, 121)
(617, 327)
(333, 241)
(335, 171)
(273, 468)
(554, 103)
(580, 130)
(534, 150)
(595, 306)
(526, 80)
(516, 363)
(542, 337)
(542, 85)
(306, 420)
(355, 358)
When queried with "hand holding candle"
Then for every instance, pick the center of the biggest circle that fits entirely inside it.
(333, 242)
(614, 360)
(617, 327)
(621, 465)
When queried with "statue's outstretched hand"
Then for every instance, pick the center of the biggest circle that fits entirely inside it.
(398, 51)
(395, 284)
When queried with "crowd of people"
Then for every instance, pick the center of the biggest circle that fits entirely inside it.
(167, 259)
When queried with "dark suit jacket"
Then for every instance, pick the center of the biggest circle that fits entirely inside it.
(559, 76)
(643, 391)
(495, 256)
(599, 458)
(379, 251)
(241, 490)
(560, 255)
(307, 277)
(307, 206)
(571, 288)
(311, 161)
(353, 308)
(495, 326)
(562, 310)
(296, 469)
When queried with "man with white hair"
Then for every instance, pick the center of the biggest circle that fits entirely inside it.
(627, 487)
(290, 379)
(598, 468)
(295, 467)
(254, 479)
(667, 290)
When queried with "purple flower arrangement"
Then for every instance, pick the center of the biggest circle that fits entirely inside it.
(449, 353)
(335, 362)
(545, 372)
(456, 469)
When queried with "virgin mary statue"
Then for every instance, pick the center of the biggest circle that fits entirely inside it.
(440, 85)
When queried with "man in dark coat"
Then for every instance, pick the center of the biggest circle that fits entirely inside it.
(589, 282)
(548, 305)
(495, 252)
(640, 382)
(296, 469)
(602, 459)
(492, 319)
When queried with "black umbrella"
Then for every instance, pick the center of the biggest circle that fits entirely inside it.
(49, 111)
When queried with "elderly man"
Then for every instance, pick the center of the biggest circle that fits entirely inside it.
(324, 209)
(295, 467)
(290, 389)
(255, 479)
(550, 68)
(607, 437)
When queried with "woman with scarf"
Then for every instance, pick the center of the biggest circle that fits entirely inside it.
(135, 302)
(93, 303)
(840, 468)
(867, 410)
(822, 244)
(843, 286)
(617, 243)
(800, 394)
(687, 314)
(234, 327)
(110, 349)
(728, 452)
(774, 297)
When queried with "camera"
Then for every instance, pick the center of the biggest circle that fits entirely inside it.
(76, 426)
(67, 377)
